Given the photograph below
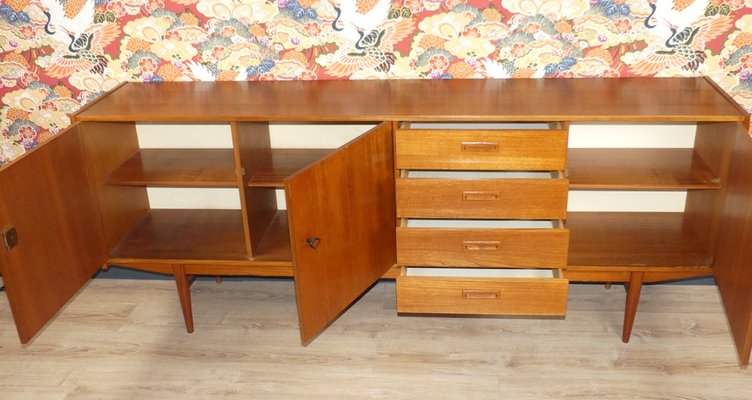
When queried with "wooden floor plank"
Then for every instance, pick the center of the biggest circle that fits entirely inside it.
(125, 339)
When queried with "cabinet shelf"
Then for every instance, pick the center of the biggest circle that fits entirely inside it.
(274, 166)
(639, 169)
(634, 239)
(177, 168)
(185, 235)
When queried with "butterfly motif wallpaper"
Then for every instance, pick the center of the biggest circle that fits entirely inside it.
(57, 55)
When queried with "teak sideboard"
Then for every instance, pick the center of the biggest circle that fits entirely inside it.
(459, 192)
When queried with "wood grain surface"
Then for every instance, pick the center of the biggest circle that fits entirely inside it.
(639, 169)
(60, 242)
(481, 198)
(733, 253)
(341, 220)
(482, 296)
(483, 247)
(177, 167)
(629, 99)
(531, 150)
(122, 339)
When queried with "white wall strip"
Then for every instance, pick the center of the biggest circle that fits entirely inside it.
(187, 198)
(627, 201)
(618, 135)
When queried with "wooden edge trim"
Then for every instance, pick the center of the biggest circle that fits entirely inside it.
(74, 116)
(730, 99)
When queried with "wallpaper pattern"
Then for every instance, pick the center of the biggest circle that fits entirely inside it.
(60, 54)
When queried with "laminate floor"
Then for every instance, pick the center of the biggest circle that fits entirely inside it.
(124, 339)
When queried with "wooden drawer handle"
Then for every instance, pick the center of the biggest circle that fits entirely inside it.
(473, 195)
(480, 147)
(481, 245)
(479, 294)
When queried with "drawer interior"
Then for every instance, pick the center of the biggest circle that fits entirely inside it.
(482, 223)
(483, 125)
(482, 272)
(480, 174)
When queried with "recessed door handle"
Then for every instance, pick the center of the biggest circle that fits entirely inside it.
(479, 195)
(481, 245)
(480, 294)
(313, 242)
(479, 147)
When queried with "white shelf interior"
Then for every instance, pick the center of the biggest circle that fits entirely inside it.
(479, 174)
(481, 272)
(481, 125)
(483, 223)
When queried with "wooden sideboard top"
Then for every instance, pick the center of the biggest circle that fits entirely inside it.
(624, 99)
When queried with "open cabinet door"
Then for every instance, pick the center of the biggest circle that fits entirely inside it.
(46, 202)
(342, 227)
(732, 264)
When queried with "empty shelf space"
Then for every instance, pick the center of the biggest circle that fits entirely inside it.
(639, 169)
(177, 168)
(275, 246)
(632, 239)
(274, 166)
(185, 235)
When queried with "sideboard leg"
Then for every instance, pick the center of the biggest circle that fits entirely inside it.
(633, 297)
(183, 283)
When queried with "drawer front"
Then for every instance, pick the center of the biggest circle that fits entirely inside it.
(482, 296)
(482, 198)
(481, 150)
(440, 247)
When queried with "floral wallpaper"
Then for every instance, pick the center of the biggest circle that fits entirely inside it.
(60, 54)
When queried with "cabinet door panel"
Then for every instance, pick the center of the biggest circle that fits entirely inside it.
(47, 197)
(342, 227)
(732, 262)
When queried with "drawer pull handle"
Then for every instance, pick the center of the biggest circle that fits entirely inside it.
(479, 294)
(472, 195)
(481, 245)
(480, 147)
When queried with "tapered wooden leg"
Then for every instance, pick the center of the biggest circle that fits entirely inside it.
(183, 283)
(608, 285)
(633, 297)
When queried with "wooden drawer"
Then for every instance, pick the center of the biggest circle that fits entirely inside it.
(478, 244)
(437, 195)
(482, 292)
(427, 146)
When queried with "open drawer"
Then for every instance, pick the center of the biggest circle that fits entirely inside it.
(482, 194)
(456, 291)
(481, 146)
(482, 243)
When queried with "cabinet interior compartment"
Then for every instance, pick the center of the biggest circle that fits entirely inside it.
(673, 242)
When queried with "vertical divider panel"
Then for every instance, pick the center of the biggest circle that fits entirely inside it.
(107, 146)
(703, 208)
(733, 254)
(252, 144)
